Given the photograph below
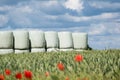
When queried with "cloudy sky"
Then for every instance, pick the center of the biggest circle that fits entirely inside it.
(99, 18)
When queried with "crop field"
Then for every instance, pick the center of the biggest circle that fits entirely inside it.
(73, 65)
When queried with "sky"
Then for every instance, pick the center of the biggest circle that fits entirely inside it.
(99, 18)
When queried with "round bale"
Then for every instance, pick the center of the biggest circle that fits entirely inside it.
(6, 42)
(80, 41)
(37, 40)
(65, 40)
(21, 41)
(51, 38)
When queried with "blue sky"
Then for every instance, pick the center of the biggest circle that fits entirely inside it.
(99, 18)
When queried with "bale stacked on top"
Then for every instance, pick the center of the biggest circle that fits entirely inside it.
(65, 41)
(80, 41)
(21, 41)
(6, 42)
(37, 40)
(51, 38)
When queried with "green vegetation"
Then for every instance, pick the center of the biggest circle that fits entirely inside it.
(96, 65)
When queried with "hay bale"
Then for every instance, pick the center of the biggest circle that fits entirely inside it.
(37, 39)
(65, 40)
(21, 40)
(38, 50)
(80, 40)
(51, 38)
(6, 40)
(6, 51)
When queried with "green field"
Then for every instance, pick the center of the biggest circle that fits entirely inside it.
(96, 65)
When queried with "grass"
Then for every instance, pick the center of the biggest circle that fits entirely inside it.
(96, 65)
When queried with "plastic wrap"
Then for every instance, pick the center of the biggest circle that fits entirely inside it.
(80, 40)
(37, 39)
(21, 39)
(6, 40)
(65, 40)
(51, 38)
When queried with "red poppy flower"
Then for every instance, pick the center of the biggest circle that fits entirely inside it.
(60, 66)
(28, 74)
(18, 76)
(1, 77)
(47, 74)
(7, 72)
(78, 58)
(67, 78)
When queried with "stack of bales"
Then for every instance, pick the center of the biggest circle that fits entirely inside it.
(37, 41)
(80, 41)
(21, 41)
(51, 38)
(65, 41)
(6, 42)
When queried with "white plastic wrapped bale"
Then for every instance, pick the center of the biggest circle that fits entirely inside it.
(6, 42)
(37, 40)
(51, 38)
(21, 41)
(80, 41)
(65, 41)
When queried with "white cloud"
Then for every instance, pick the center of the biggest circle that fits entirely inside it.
(74, 5)
(29, 15)
(50, 3)
(19, 15)
(105, 4)
(103, 16)
(104, 28)
(25, 9)
(97, 29)
(104, 42)
(68, 17)
(107, 16)
(5, 8)
(111, 28)
(3, 20)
